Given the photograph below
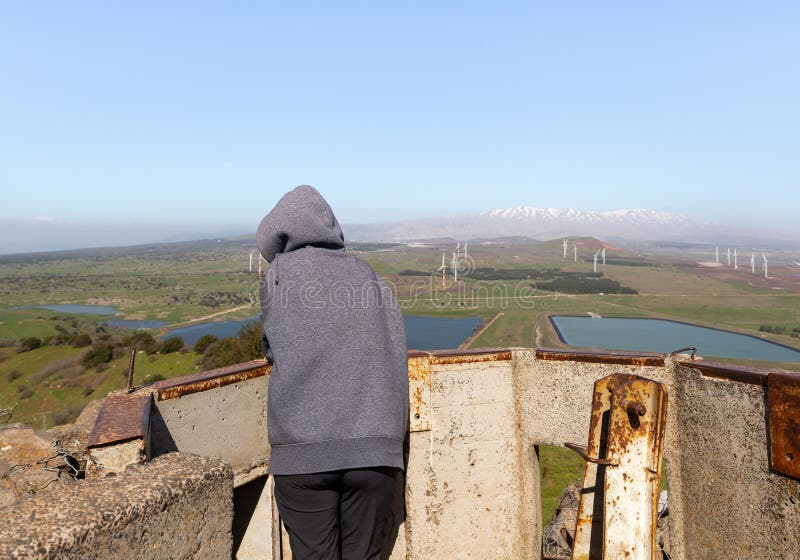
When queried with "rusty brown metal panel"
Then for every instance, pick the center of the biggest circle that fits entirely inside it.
(783, 396)
(205, 380)
(419, 393)
(638, 414)
(616, 358)
(123, 417)
(617, 510)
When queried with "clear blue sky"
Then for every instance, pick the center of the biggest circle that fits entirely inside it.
(206, 113)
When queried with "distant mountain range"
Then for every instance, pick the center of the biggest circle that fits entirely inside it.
(549, 223)
(24, 236)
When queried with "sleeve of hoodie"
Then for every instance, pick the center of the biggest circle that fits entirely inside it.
(264, 296)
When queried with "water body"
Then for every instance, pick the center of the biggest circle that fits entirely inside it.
(135, 324)
(438, 333)
(74, 308)
(661, 335)
(422, 333)
(220, 329)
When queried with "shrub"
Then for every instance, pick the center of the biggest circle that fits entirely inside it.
(141, 340)
(170, 345)
(234, 350)
(204, 342)
(80, 340)
(30, 343)
(99, 354)
(14, 374)
(225, 352)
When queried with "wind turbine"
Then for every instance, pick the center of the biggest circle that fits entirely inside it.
(454, 262)
(251, 259)
(753, 263)
(604, 256)
(565, 248)
(465, 249)
(595, 260)
(575, 248)
(797, 263)
(735, 260)
(458, 248)
(729, 256)
(766, 273)
(443, 269)
(717, 252)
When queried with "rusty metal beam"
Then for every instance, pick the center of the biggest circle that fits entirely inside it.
(211, 379)
(719, 370)
(602, 357)
(783, 397)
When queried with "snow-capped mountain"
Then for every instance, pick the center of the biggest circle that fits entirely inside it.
(542, 223)
(634, 216)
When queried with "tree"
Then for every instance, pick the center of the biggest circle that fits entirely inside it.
(204, 342)
(30, 343)
(100, 354)
(141, 340)
(170, 345)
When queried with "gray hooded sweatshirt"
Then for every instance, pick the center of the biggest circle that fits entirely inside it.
(338, 391)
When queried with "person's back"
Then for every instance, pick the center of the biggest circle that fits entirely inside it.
(338, 391)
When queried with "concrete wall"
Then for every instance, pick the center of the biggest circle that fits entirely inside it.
(177, 507)
(472, 483)
(227, 423)
(726, 498)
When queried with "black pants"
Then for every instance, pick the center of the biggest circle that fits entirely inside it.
(335, 515)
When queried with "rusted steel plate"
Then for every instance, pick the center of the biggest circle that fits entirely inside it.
(616, 358)
(783, 393)
(719, 370)
(419, 393)
(618, 506)
(636, 428)
(470, 356)
(211, 379)
(122, 418)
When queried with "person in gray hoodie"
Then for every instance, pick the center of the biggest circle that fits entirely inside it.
(338, 390)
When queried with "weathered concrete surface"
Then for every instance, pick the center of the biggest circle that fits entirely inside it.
(20, 476)
(466, 494)
(177, 507)
(726, 499)
(226, 423)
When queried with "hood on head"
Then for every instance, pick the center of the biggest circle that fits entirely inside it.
(301, 218)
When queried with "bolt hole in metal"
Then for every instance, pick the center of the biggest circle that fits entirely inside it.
(416, 416)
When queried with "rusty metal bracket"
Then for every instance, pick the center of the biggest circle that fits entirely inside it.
(783, 395)
(581, 450)
(419, 393)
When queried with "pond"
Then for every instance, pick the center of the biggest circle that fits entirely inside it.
(663, 335)
(74, 308)
(422, 333)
